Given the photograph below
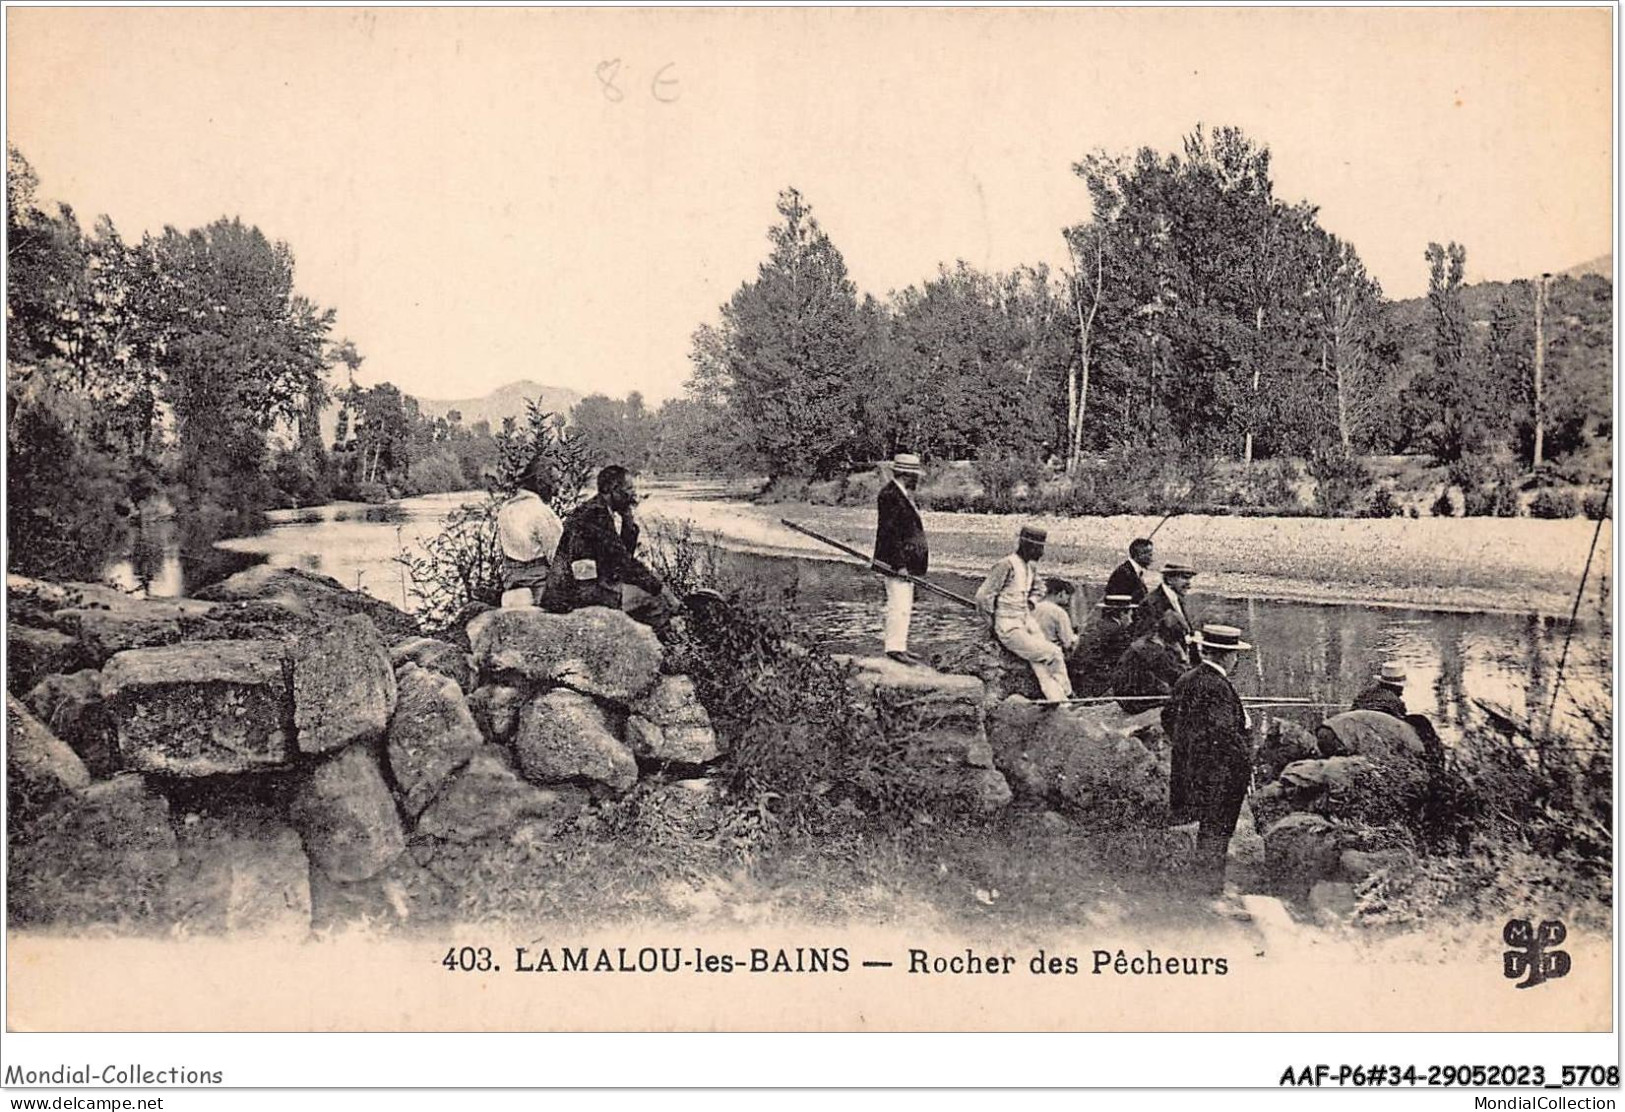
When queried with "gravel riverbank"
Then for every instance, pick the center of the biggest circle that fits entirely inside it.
(1519, 565)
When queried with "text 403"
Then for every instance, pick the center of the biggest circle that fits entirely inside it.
(468, 959)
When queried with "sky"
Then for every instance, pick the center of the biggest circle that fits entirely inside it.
(566, 195)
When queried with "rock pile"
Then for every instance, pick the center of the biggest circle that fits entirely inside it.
(286, 752)
(1338, 803)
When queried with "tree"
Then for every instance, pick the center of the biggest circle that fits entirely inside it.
(783, 356)
(238, 349)
(1446, 401)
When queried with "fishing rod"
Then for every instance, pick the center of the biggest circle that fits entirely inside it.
(880, 566)
(1165, 518)
(1246, 700)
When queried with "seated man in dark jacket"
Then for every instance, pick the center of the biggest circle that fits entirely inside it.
(1387, 691)
(596, 563)
(1152, 665)
(1095, 659)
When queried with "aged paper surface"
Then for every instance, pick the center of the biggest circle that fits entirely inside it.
(614, 103)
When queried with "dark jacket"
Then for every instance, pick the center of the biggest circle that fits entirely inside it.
(1379, 696)
(1148, 667)
(1155, 609)
(1207, 737)
(899, 533)
(1096, 656)
(590, 534)
(1125, 580)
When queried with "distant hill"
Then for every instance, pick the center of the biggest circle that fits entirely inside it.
(1602, 266)
(504, 401)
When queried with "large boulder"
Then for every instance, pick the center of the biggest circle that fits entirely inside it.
(1301, 849)
(402, 894)
(487, 798)
(1285, 743)
(669, 725)
(98, 856)
(105, 620)
(201, 709)
(1085, 757)
(932, 737)
(71, 707)
(431, 736)
(496, 708)
(1356, 788)
(595, 650)
(32, 654)
(1360, 865)
(243, 872)
(1374, 734)
(565, 737)
(40, 767)
(316, 600)
(347, 817)
(1332, 902)
(435, 656)
(343, 686)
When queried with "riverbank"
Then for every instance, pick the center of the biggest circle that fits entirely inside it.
(1490, 565)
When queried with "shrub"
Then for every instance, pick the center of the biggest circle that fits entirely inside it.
(1383, 503)
(461, 564)
(1000, 474)
(1340, 480)
(370, 492)
(1443, 506)
(435, 474)
(1494, 494)
(1595, 506)
(1551, 503)
(545, 433)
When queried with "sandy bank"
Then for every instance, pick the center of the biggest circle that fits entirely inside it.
(1518, 565)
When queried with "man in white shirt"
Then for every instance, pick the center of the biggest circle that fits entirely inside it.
(1007, 596)
(529, 531)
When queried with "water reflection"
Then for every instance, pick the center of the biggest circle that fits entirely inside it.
(1323, 652)
(1327, 653)
(170, 553)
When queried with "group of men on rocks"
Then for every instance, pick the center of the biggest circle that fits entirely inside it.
(1145, 649)
(588, 559)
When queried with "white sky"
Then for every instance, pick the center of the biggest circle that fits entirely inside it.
(459, 187)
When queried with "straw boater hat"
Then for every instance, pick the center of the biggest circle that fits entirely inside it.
(1177, 569)
(1033, 534)
(1220, 637)
(1117, 602)
(905, 463)
(1392, 673)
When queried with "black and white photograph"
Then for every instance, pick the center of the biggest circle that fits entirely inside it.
(812, 520)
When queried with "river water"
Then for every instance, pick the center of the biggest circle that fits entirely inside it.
(1323, 652)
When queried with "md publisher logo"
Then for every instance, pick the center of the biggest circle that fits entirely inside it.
(1532, 952)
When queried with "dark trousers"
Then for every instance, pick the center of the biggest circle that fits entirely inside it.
(1223, 790)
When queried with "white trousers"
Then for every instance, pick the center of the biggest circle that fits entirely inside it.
(518, 598)
(899, 613)
(1048, 661)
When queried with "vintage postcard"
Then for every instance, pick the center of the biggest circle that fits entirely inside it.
(816, 520)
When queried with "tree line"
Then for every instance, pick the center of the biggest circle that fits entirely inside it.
(1202, 317)
(187, 366)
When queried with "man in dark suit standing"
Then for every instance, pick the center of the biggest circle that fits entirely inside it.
(900, 546)
(1129, 577)
(1211, 752)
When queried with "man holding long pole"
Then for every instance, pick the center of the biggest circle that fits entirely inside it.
(900, 546)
